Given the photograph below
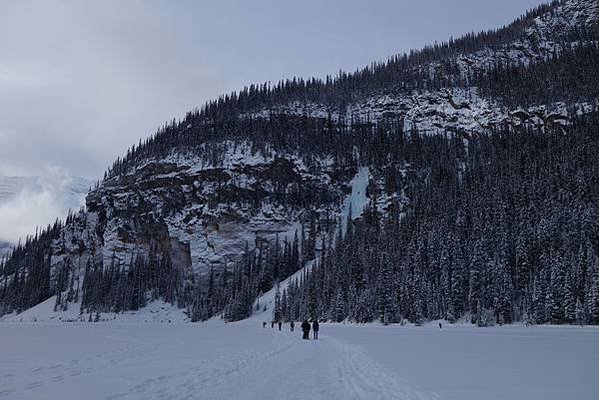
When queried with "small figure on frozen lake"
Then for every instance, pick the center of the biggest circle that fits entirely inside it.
(280, 325)
(440, 326)
(306, 329)
(292, 326)
(263, 324)
(315, 328)
(272, 324)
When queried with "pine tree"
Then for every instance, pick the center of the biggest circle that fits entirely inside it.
(569, 300)
(555, 296)
(593, 306)
(278, 310)
(504, 307)
(539, 302)
(339, 307)
(475, 283)
(581, 314)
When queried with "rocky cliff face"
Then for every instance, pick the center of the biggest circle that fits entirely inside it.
(207, 213)
(464, 107)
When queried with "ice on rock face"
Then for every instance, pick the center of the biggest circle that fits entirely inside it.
(354, 204)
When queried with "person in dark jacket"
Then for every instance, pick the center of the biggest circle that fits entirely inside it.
(306, 329)
(264, 324)
(280, 325)
(272, 324)
(315, 328)
(292, 326)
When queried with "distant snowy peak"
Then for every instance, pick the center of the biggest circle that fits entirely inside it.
(71, 189)
(5, 248)
(24, 199)
(11, 186)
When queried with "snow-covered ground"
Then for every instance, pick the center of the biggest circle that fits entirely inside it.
(244, 361)
(155, 312)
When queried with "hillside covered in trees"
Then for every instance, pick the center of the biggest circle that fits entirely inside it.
(483, 194)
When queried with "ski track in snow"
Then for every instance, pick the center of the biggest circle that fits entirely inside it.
(323, 369)
(204, 379)
(366, 379)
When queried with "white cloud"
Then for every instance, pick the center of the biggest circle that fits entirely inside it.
(20, 216)
(37, 202)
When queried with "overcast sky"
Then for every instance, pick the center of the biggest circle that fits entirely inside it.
(80, 81)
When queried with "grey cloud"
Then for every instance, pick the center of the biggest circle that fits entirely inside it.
(80, 81)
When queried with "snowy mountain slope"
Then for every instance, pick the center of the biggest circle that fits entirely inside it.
(264, 305)
(434, 112)
(211, 210)
(155, 312)
(464, 108)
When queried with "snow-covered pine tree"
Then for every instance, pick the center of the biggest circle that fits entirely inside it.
(581, 312)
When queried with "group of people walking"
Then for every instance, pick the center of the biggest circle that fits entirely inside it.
(306, 327)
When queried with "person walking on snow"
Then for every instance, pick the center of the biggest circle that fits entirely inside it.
(306, 329)
(292, 326)
(280, 324)
(315, 328)
(272, 324)
(264, 324)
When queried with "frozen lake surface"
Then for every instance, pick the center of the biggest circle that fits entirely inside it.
(244, 361)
